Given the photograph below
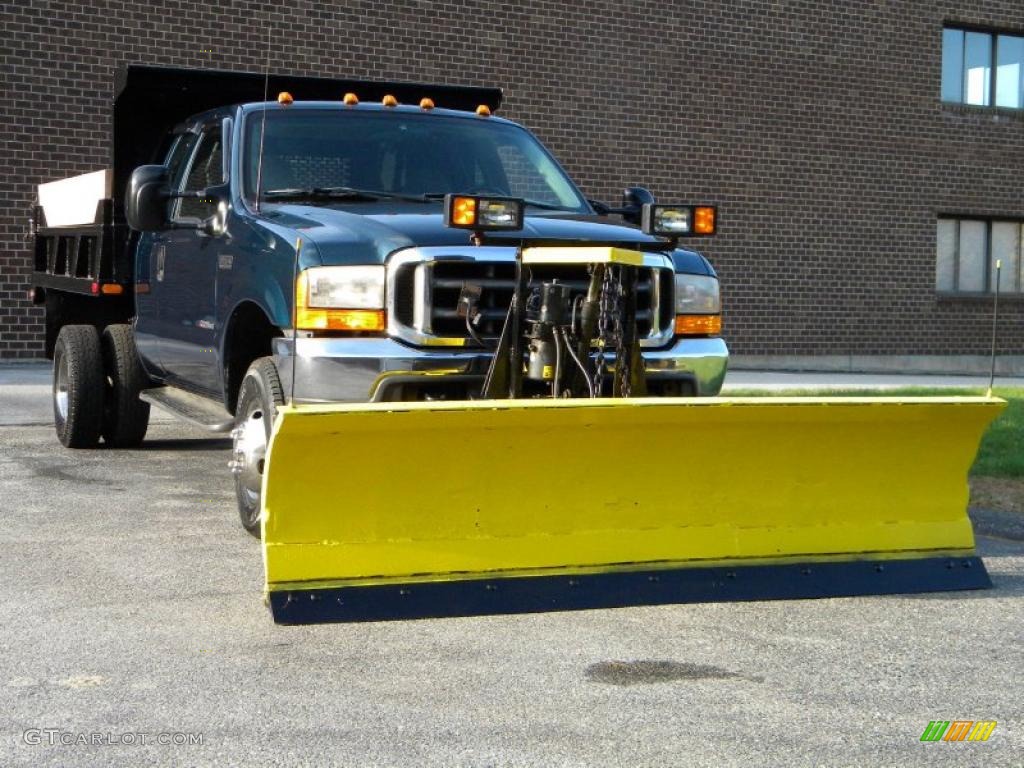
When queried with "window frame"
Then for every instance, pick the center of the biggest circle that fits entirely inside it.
(202, 133)
(187, 141)
(1015, 291)
(993, 33)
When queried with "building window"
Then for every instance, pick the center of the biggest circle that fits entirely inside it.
(982, 68)
(967, 253)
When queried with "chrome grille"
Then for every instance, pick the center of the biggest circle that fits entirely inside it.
(427, 294)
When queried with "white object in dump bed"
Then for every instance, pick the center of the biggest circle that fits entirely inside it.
(73, 201)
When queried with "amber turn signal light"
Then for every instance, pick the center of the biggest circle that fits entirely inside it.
(463, 212)
(698, 325)
(704, 220)
(361, 320)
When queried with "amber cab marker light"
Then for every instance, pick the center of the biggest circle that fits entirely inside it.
(350, 99)
(426, 103)
(389, 101)
(284, 98)
(698, 325)
(483, 110)
(704, 220)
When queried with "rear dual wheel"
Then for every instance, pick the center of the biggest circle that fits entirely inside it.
(78, 386)
(96, 385)
(125, 416)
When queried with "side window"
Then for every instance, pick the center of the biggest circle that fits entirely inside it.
(205, 171)
(178, 156)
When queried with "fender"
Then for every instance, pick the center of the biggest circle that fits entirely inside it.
(261, 273)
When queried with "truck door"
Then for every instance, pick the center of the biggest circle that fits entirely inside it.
(149, 266)
(188, 291)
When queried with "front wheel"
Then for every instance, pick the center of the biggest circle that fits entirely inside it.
(258, 401)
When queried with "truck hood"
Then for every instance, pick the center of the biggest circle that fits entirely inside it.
(344, 237)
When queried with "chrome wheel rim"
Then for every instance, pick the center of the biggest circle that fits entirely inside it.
(249, 454)
(60, 388)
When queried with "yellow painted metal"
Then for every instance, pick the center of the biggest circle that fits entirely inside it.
(382, 492)
(444, 341)
(582, 254)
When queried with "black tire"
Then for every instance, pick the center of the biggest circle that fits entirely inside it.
(125, 416)
(78, 386)
(258, 399)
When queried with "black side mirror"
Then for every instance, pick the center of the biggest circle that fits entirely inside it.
(145, 205)
(633, 201)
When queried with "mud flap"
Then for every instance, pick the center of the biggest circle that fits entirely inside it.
(396, 510)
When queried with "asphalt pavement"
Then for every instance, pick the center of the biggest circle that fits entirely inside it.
(132, 613)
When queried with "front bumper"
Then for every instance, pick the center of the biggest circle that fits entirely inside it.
(361, 369)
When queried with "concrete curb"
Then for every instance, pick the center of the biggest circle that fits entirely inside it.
(959, 365)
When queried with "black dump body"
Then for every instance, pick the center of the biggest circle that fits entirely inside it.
(149, 101)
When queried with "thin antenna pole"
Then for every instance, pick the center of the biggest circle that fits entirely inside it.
(263, 122)
(295, 317)
(995, 319)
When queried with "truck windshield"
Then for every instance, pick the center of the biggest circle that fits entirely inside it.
(335, 157)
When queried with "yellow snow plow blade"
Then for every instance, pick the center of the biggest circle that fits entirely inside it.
(393, 510)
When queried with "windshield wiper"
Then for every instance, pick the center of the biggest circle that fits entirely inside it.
(319, 193)
(353, 195)
(546, 206)
(348, 194)
(531, 203)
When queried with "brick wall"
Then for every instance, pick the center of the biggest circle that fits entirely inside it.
(815, 125)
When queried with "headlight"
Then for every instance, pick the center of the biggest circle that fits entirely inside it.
(340, 299)
(344, 287)
(697, 295)
(666, 220)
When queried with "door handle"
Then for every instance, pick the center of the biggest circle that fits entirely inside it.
(161, 255)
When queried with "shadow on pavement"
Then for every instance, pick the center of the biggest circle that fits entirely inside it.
(187, 444)
(1004, 585)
